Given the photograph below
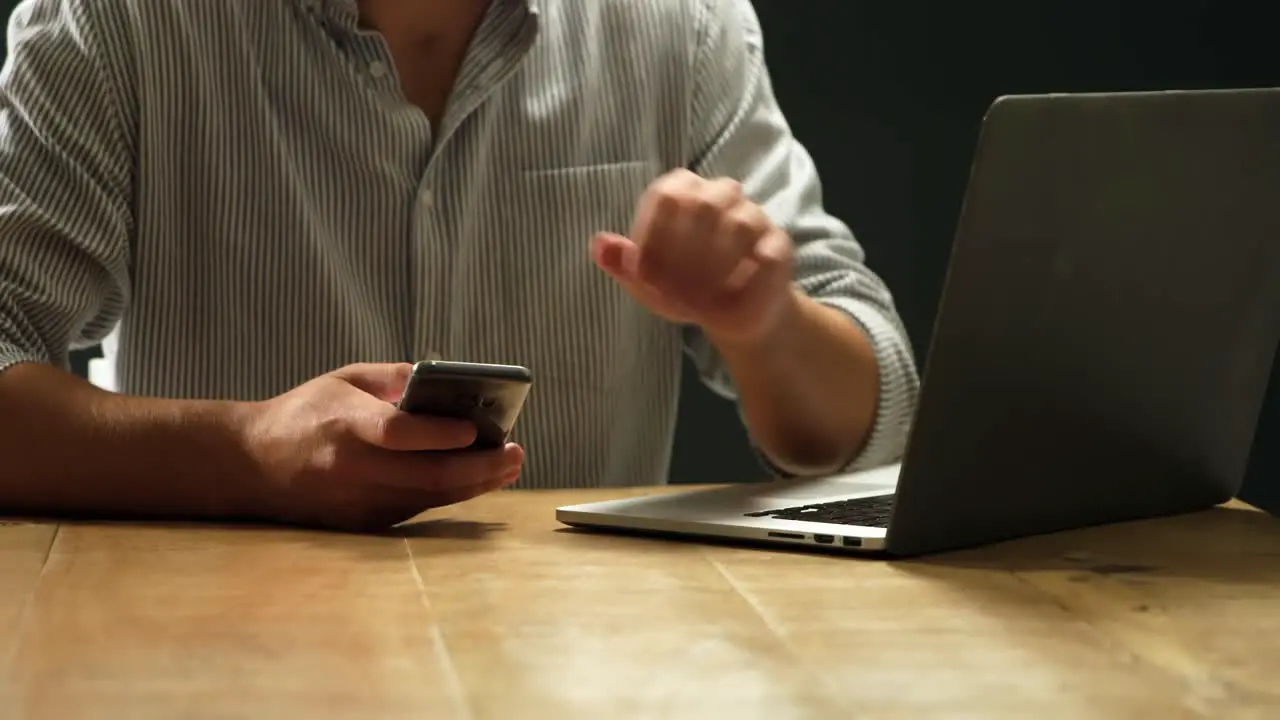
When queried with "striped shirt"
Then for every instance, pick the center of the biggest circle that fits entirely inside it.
(238, 191)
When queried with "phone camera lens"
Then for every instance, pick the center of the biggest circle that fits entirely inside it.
(487, 402)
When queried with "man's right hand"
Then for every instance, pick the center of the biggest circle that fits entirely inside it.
(336, 452)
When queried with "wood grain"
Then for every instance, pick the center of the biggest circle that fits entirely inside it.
(490, 609)
(161, 622)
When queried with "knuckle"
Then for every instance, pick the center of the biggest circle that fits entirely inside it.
(351, 370)
(705, 204)
(383, 429)
(675, 184)
(740, 222)
(333, 426)
(344, 370)
(730, 189)
(662, 184)
(702, 208)
(666, 199)
(678, 178)
(327, 460)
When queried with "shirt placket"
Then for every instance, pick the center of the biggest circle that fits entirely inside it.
(502, 41)
(423, 315)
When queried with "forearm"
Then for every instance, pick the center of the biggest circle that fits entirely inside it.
(809, 389)
(69, 448)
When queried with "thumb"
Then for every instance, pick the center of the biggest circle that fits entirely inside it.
(372, 416)
(617, 256)
(384, 381)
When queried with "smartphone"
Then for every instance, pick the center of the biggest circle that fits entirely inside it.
(490, 396)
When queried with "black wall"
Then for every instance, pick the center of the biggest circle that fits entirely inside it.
(888, 98)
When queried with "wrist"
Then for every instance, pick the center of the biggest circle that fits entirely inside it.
(769, 334)
(245, 490)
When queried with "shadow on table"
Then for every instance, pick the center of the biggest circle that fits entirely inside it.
(445, 529)
(434, 536)
(1221, 545)
(250, 531)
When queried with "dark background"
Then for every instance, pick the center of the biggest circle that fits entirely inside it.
(888, 98)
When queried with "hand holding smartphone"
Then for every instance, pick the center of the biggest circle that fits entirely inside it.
(489, 396)
(333, 452)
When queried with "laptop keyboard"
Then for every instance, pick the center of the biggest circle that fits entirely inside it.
(865, 511)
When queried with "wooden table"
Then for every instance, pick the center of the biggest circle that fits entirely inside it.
(490, 609)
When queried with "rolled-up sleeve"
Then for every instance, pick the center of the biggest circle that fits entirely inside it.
(740, 132)
(65, 184)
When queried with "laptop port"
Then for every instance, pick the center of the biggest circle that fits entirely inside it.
(851, 542)
(786, 536)
(824, 539)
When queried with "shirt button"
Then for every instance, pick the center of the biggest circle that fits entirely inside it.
(426, 199)
(377, 69)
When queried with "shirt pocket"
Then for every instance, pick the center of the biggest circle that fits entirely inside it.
(591, 194)
(583, 328)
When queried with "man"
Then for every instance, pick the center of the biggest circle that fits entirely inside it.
(279, 203)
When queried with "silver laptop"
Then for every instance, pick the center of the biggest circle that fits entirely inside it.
(1105, 335)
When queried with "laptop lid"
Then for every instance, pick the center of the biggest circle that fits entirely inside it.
(1108, 323)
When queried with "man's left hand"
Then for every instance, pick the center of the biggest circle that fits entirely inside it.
(701, 253)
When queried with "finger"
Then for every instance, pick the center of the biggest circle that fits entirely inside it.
(376, 508)
(384, 381)
(617, 256)
(662, 220)
(746, 230)
(745, 225)
(711, 202)
(712, 255)
(370, 490)
(772, 254)
(383, 425)
(442, 498)
(678, 181)
(441, 472)
(741, 276)
(775, 248)
(621, 262)
(675, 184)
(690, 254)
(709, 253)
(385, 506)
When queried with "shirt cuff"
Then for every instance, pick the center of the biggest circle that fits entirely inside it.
(11, 355)
(899, 388)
